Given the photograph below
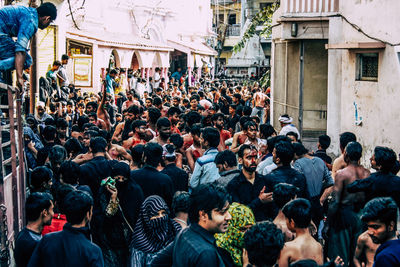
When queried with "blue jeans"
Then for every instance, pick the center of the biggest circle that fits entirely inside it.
(7, 54)
(259, 112)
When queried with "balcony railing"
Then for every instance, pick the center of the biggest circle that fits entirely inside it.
(310, 6)
(233, 30)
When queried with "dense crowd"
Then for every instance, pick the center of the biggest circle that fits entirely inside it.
(159, 173)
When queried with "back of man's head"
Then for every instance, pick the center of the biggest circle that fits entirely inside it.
(153, 154)
(382, 209)
(298, 210)
(385, 158)
(76, 206)
(206, 198)
(353, 151)
(154, 114)
(47, 9)
(285, 152)
(163, 122)
(35, 204)
(211, 135)
(263, 243)
(346, 138)
(226, 157)
(70, 172)
(324, 141)
(49, 133)
(283, 193)
(40, 176)
(98, 144)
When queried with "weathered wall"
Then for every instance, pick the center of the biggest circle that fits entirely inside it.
(376, 101)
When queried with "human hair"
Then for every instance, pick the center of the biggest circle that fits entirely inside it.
(247, 111)
(294, 134)
(113, 71)
(57, 155)
(298, 210)
(196, 129)
(324, 141)
(211, 135)
(353, 151)
(76, 205)
(154, 115)
(153, 154)
(98, 144)
(299, 149)
(137, 153)
(70, 172)
(263, 243)
(243, 148)
(82, 120)
(243, 120)
(192, 117)
(133, 110)
(226, 156)
(163, 122)
(47, 9)
(382, 209)
(64, 57)
(283, 193)
(92, 104)
(284, 151)
(206, 197)
(73, 146)
(346, 138)
(137, 124)
(173, 110)
(39, 176)
(157, 101)
(177, 140)
(216, 116)
(35, 204)
(49, 133)
(196, 97)
(385, 158)
(248, 124)
(266, 130)
(61, 192)
(56, 63)
(181, 202)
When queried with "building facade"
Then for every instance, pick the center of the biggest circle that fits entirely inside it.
(335, 69)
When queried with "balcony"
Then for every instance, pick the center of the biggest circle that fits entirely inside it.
(311, 7)
(233, 30)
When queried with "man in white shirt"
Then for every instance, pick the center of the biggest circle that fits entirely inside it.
(62, 72)
(157, 78)
(287, 126)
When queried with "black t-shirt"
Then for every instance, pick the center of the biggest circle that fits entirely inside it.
(25, 245)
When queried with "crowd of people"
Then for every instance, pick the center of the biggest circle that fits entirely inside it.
(196, 176)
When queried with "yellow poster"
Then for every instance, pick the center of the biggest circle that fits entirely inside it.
(83, 71)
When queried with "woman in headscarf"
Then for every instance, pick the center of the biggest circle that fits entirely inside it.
(232, 240)
(32, 145)
(154, 230)
(120, 205)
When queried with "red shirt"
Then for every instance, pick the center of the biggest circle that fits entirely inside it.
(223, 136)
(57, 224)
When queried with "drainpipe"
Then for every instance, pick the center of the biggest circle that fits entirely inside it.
(301, 87)
(286, 77)
(34, 68)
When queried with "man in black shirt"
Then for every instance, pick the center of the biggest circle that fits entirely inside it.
(178, 176)
(249, 187)
(39, 212)
(283, 155)
(324, 142)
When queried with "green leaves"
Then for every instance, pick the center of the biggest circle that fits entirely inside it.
(262, 18)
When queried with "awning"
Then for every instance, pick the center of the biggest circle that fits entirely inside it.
(192, 47)
(120, 40)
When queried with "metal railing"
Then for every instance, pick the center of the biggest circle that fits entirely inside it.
(233, 30)
(12, 173)
(310, 6)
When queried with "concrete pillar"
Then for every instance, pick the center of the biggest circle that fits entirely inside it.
(189, 76)
(147, 77)
(143, 72)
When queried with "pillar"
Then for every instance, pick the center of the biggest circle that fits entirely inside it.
(143, 72)
(189, 76)
(147, 77)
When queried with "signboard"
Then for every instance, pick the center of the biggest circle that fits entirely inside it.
(83, 70)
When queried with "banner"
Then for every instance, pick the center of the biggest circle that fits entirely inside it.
(83, 71)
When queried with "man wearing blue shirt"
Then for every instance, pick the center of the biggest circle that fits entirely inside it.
(21, 22)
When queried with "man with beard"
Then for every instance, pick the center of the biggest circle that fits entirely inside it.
(164, 131)
(91, 107)
(380, 215)
(249, 187)
(173, 115)
(128, 102)
(218, 121)
(139, 134)
(133, 113)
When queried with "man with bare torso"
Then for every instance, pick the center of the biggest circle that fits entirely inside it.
(339, 163)
(365, 251)
(345, 225)
(259, 104)
(304, 246)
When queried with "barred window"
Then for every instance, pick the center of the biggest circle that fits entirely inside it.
(367, 67)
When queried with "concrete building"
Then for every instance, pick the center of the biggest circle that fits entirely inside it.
(336, 67)
(231, 19)
(131, 34)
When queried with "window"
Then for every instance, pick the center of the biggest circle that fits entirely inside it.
(367, 67)
(232, 19)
